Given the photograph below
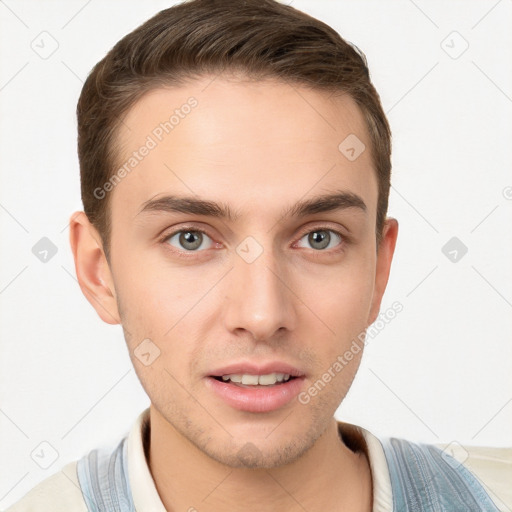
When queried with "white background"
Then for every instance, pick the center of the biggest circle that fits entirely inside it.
(439, 372)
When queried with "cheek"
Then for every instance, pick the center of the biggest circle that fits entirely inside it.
(145, 285)
(164, 305)
(342, 299)
(147, 306)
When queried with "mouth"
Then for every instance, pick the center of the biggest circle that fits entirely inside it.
(248, 380)
(249, 388)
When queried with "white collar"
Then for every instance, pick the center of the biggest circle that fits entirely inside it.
(146, 497)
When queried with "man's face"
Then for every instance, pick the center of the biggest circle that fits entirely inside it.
(268, 291)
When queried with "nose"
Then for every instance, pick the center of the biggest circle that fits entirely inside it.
(259, 299)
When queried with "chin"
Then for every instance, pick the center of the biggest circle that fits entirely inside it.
(272, 448)
(254, 456)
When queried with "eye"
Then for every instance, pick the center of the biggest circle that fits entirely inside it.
(189, 239)
(320, 239)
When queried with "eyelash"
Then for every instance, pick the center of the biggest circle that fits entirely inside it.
(188, 254)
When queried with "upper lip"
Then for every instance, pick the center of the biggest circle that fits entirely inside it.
(252, 368)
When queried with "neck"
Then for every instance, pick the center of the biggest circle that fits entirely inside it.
(329, 476)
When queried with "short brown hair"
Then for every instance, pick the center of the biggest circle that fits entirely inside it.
(258, 39)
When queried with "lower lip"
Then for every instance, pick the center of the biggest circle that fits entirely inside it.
(256, 398)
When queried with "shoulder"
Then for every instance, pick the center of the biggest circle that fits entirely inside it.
(59, 492)
(492, 466)
(468, 478)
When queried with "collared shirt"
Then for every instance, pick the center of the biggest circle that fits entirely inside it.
(62, 491)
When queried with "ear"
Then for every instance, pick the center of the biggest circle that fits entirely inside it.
(92, 269)
(385, 253)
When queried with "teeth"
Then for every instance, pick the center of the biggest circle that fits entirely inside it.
(268, 379)
(251, 380)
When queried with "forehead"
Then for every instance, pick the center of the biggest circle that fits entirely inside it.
(243, 143)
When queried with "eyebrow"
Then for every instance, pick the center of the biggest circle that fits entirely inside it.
(336, 201)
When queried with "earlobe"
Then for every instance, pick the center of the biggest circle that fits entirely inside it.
(385, 253)
(92, 269)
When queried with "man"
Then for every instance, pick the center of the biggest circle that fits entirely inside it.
(235, 172)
